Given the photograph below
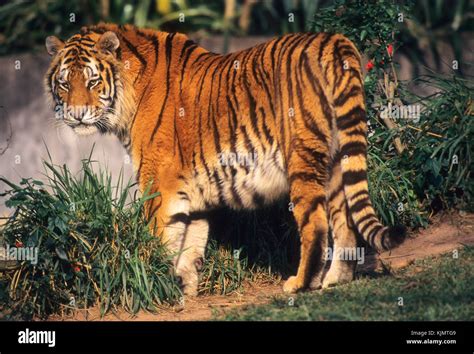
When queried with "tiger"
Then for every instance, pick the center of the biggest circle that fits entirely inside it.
(283, 119)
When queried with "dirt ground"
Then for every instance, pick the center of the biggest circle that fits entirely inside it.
(446, 233)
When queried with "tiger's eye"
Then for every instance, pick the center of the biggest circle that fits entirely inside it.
(93, 83)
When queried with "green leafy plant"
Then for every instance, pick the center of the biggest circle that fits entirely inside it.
(25, 24)
(440, 145)
(93, 245)
(224, 270)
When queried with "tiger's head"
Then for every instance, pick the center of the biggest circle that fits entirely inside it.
(86, 83)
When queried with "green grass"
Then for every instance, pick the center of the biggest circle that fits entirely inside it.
(93, 244)
(433, 289)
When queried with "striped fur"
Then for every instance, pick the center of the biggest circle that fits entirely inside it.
(241, 130)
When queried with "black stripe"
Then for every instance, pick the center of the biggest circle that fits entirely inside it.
(359, 193)
(356, 132)
(154, 40)
(309, 120)
(135, 52)
(223, 65)
(114, 79)
(252, 108)
(353, 177)
(351, 118)
(220, 190)
(140, 164)
(332, 216)
(344, 96)
(337, 63)
(178, 142)
(138, 104)
(369, 224)
(289, 56)
(266, 131)
(189, 46)
(335, 193)
(306, 177)
(364, 218)
(179, 218)
(156, 47)
(353, 148)
(50, 76)
(373, 234)
(248, 145)
(322, 46)
(281, 83)
(359, 205)
(168, 47)
(297, 200)
(316, 85)
(233, 189)
(108, 79)
(318, 159)
(320, 200)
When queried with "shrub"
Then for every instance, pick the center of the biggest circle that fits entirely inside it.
(94, 246)
(440, 147)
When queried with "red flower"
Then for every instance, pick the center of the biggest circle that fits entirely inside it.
(19, 244)
(76, 268)
(390, 49)
(369, 66)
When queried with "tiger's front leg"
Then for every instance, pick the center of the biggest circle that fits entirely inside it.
(184, 236)
(190, 260)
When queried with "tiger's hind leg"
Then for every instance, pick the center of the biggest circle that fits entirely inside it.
(309, 200)
(344, 235)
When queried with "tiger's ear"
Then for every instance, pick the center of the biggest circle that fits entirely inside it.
(53, 45)
(108, 42)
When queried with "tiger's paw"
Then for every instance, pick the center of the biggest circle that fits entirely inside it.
(315, 283)
(292, 285)
(334, 278)
(188, 282)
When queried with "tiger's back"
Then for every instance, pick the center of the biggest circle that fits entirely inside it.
(242, 120)
(243, 130)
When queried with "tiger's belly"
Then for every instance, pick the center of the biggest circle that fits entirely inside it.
(241, 180)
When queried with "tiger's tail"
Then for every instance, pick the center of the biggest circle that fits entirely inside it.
(351, 138)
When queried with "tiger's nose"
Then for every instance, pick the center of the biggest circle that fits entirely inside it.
(78, 114)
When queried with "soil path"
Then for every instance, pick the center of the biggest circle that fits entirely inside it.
(446, 233)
